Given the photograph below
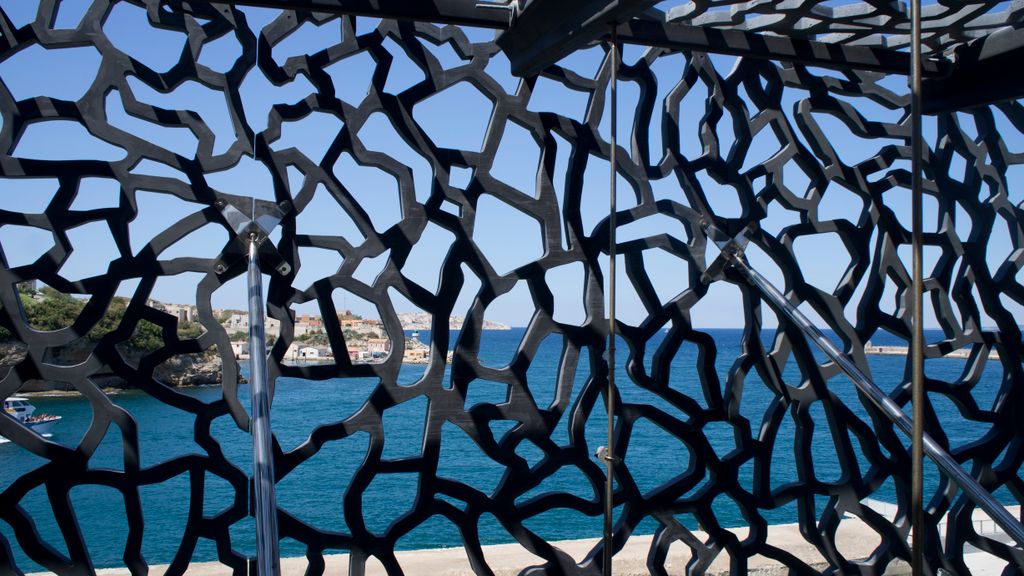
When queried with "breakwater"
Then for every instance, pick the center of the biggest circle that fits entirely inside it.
(903, 351)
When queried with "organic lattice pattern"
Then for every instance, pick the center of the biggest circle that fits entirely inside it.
(869, 22)
(691, 153)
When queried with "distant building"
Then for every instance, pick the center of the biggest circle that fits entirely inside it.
(240, 323)
(416, 352)
(298, 352)
(378, 347)
(362, 326)
(240, 348)
(310, 320)
(272, 327)
(416, 355)
(184, 312)
(307, 324)
(236, 323)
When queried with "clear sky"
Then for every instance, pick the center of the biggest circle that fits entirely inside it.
(455, 118)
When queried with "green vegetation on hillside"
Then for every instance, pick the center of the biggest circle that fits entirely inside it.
(313, 339)
(50, 309)
(352, 335)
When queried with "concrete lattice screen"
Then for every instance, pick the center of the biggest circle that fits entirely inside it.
(744, 142)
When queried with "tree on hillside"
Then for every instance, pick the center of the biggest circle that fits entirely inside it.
(226, 315)
(57, 310)
(314, 339)
(348, 315)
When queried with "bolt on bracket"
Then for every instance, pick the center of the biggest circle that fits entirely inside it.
(252, 221)
(730, 249)
(603, 455)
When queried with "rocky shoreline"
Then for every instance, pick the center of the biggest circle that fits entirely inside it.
(185, 370)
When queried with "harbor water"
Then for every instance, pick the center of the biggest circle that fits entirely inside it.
(313, 492)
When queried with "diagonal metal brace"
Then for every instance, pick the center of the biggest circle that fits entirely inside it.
(252, 221)
(732, 258)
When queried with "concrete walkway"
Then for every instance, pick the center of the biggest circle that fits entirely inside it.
(509, 559)
(854, 540)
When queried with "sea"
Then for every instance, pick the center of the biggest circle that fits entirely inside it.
(313, 491)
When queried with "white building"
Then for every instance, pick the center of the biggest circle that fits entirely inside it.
(240, 323)
(362, 326)
(240, 348)
(184, 312)
(298, 352)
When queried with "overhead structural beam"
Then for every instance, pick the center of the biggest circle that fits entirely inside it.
(464, 12)
(748, 44)
(546, 31)
(986, 71)
(541, 32)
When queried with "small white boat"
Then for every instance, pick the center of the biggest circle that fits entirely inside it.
(21, 410)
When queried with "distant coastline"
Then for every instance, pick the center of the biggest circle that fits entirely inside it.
(424, 321)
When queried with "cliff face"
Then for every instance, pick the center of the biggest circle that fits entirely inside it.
(12, 353)
(182, 370)
(191, 370)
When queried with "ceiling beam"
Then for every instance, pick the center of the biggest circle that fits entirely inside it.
(986, 71)
(751, 45)
(463, 12)
(545, 31)
(538, 33)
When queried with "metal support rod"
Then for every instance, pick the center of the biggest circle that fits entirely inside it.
(917, 339)
(609, 487)
(268, 559)
(945, 462)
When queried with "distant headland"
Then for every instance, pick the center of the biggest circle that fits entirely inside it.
(365, 340)
(424, 321)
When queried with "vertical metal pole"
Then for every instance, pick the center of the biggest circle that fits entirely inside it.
(609, 487)
(268, 562)
(917, 341)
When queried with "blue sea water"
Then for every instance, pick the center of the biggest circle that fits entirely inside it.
(313, 492)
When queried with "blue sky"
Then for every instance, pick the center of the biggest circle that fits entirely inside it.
(507, 237)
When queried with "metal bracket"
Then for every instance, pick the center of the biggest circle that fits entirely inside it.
(547, 30)
(981, 74)
(730, 249)
(602, 454)
(511, 6)
(252, 221)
